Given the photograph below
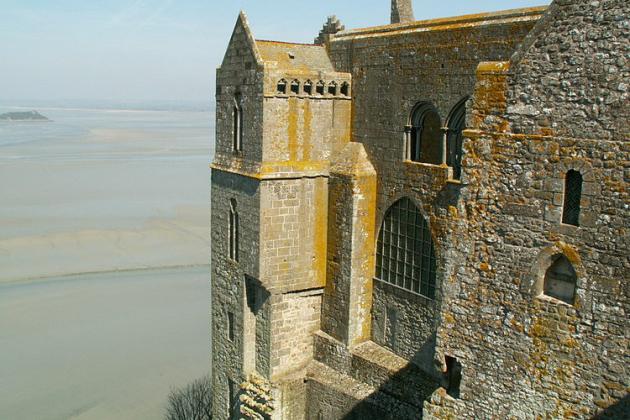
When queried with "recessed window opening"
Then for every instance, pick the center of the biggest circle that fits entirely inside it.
(233, 231)
(455, 138)
(405, 255)
(255, 298)
(561, 280)
(308, 87)
(572, 198)
(237, 124)
(295, 87)
(345, 89)
(282, 87)
(453, 376)
(391, 322)
(424, 143)
(230, 325)
(319, 88)
(232, 393)
(332, 88)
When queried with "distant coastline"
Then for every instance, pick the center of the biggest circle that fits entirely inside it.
(23, 116)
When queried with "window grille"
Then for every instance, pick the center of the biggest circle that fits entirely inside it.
(572, 197)
(405, 254)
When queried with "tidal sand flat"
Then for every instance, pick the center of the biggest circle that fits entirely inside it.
(103, 190)
(102, 346)
(104, 250)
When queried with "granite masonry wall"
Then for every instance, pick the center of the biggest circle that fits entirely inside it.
(393, 68)
(228, 280)
(548, 94)
(557, 106)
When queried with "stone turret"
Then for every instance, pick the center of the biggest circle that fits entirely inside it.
(402, 11)
(331, 27)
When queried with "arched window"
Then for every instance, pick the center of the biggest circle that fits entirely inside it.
(425, 135)
(282, 86)
(560, 280)
(345, 89)
(319, 88)
(572, 197)
(332, 88)
(233, 231)
(308, 87)
(454, 138)
(405, 255)
(295, 87)
(237, 125)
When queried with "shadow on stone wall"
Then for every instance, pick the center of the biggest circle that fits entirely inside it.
(400, 397)
(619, 410)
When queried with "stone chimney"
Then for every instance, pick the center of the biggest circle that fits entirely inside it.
(402, 11)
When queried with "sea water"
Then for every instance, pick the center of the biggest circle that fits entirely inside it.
(104, 250)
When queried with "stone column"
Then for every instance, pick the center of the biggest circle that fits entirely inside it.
(350, 268)
(402, 11)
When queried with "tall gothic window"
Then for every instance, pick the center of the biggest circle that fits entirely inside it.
(233, 231)
(425, 135)
(237, 125)
(454, 137)
(405, 255)
(560, 280)
(572, 197)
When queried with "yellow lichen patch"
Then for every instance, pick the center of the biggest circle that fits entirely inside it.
(570, 253)
(517, 325)
(292, 129)
(320, 233)
(306, 147)
(485, 267)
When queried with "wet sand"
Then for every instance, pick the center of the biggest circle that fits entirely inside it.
(93, 207)
(103, 346)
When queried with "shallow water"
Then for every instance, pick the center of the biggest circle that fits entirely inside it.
(103, 346)
(124, 194)
(103, 190)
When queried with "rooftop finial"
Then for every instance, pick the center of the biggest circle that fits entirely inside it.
(331, 27)
(402, 11)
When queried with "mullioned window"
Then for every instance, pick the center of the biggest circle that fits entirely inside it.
(405, 255)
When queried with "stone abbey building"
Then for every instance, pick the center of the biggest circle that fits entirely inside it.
(426, 219)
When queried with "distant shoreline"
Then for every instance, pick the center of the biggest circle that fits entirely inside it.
(183, 108)
(53, 277)
(21, 116)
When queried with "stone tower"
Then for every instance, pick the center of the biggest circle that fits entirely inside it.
(402, 11)
(282, 111)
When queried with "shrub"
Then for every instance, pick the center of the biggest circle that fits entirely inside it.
(192, 402)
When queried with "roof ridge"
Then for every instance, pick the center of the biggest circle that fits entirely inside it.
(287, 43)
(449, 20)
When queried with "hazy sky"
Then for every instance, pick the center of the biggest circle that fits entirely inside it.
(139, 50)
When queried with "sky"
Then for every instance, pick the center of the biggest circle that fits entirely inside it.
(163, 50)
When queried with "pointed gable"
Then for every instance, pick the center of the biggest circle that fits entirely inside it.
(242, 44)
